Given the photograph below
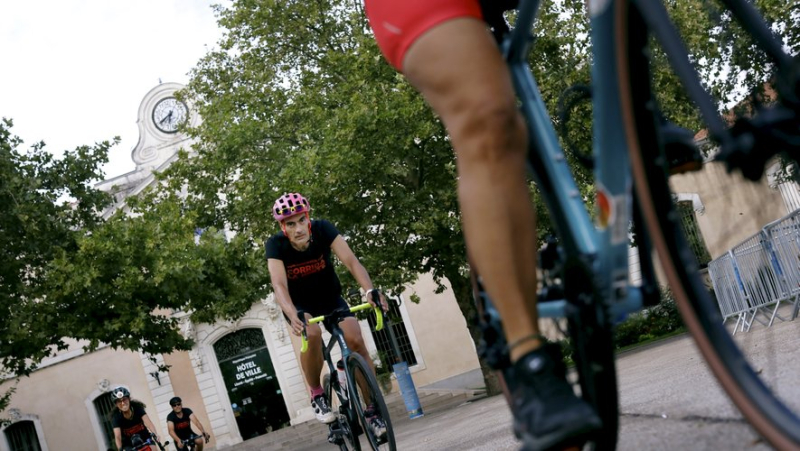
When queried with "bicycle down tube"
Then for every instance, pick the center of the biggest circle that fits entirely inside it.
(604, 248)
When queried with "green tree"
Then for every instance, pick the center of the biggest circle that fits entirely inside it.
(127, 278)
(47, 205)
(66, 275)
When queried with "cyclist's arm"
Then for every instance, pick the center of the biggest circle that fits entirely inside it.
(280, 284)
(118, 437)
(349, 259)
(149, 425)
(171, 432)
(196, 422)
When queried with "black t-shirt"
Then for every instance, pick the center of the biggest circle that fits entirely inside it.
(132, 426)
(310, 274)
(182, 427)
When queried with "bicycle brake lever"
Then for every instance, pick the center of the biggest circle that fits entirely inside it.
(376, 299)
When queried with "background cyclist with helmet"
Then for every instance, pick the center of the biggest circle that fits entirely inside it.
(445, 51)
(129, 420)
(179, 425)
(303, 278)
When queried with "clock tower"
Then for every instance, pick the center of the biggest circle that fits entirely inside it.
(160, 120)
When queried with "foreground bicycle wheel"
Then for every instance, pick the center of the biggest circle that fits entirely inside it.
(748, 366)
(364, 392)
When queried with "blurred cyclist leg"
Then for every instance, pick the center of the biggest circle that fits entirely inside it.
(456, 65)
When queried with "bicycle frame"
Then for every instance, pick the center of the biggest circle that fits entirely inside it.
(603, 247)
(338, 338)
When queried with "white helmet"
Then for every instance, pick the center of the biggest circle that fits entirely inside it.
(119, 393)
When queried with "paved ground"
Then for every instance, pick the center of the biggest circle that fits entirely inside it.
(668, 400)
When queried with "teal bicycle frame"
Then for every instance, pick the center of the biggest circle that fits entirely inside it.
(603, 248)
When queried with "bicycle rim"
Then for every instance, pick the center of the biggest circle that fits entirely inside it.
(729, 359)
(364, 391)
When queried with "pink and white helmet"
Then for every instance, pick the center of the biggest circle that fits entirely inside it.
(288, 205)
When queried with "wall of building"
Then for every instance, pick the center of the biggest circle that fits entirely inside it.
(446, 350)
(733, 208)
(61, 396)
(185, 386)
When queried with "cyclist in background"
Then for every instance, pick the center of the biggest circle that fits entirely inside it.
(129, 420)
(179, 425)
(444, 49)
(302, 274)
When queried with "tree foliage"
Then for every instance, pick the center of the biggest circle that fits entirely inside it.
(298, 98)
(68, 276)
(128, 278)
(47, 205)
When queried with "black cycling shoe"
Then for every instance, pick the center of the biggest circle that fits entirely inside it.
(547, 414)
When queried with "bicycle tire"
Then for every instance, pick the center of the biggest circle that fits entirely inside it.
(357, 369)
(342, 417)
(592, 340)
(776, 423)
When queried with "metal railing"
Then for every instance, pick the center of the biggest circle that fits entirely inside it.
(754, 278)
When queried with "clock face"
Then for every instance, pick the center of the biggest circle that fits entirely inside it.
(169, 113)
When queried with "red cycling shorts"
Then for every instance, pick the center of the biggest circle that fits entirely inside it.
(398, 23)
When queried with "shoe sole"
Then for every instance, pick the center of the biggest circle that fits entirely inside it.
(552, 442)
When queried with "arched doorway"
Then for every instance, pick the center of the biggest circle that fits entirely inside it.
(253, 389)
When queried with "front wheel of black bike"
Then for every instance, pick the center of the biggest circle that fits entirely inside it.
(752, 382)
(345, 429)
(364, 392)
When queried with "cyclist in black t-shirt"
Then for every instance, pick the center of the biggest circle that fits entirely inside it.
(129, 419)
(299, 261)
(179, 423)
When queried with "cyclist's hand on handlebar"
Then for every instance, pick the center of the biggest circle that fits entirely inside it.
(297, 325)
(371, 298)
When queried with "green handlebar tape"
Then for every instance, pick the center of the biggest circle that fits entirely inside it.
(358, 308)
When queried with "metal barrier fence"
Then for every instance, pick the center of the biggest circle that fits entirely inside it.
(756, 276)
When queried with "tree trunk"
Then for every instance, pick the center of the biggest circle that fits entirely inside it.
(462, 289)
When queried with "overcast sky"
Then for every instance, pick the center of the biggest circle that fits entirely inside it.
(75, 71)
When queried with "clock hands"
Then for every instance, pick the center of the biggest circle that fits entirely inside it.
(167, 117)
(169, 114)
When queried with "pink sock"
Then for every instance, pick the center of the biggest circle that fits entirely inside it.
(317, 391)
